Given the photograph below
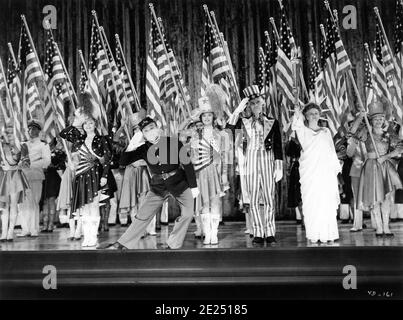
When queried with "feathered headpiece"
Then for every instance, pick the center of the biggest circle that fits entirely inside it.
(216, 97)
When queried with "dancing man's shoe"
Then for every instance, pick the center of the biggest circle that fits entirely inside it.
(379, 235)
(390, 234)
(355, 230)
(258, 240)
(270, 239)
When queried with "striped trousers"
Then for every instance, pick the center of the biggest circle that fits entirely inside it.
(259, 167)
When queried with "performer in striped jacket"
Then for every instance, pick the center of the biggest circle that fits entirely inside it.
(263, 161)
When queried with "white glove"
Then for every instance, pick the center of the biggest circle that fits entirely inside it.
(278, 170)
(136, 141)
(195, 192)
(234, 117)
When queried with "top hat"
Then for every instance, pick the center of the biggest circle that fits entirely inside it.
(252, 92)
(375, 108)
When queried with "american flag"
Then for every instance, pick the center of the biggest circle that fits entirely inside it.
(125, 77)
(261, 74)
(115, 86)
(368, 85)
(330, 75)
(3, 86)
(271, 75)
(343, 66)
(56, 84)
(315, 79)
(14, 83)
(99, 72)
(155, 50)
(398, 35)
(285, 79)
(215, 65)
(83, 77)
(380, 80)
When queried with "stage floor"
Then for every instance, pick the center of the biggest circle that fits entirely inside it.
(231, 236)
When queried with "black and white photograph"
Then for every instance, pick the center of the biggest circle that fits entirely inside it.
(209, 152)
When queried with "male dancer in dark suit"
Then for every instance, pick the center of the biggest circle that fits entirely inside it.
(171, 173)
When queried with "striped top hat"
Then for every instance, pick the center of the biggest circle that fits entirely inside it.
(252, 92)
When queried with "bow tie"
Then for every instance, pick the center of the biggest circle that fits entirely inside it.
(257, 119)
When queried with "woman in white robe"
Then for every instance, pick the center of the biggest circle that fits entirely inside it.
(319, 167)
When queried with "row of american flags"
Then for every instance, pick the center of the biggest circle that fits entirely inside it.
(330, 71)
(47, 92)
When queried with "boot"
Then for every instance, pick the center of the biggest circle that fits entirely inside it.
(385, 223)
(86, 224)
(11, 224)
(93, 231)
(199, 231)
(4, 224)
(205, 220)
(214, 222)
(72, 225)
(45, 214)
(106, 218)
(344, 213)
(51, 219)
(378, 221)
(151, 227)
(248, 223)
(79, 229)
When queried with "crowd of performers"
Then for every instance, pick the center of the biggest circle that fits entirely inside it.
(354, 173)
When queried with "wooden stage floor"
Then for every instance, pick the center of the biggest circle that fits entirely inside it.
(231, 236)
(235, 269)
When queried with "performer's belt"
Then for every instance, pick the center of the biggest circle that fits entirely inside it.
(166, 175)
(372, 155)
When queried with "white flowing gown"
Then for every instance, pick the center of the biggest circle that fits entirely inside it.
(318, 169)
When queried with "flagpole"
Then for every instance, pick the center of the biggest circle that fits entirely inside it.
(24, 130)
(103, 37)
(80, 53)
(136, 97)
(301, 76)
(179, 84)
(386, 38)
(360, 103)
(8, 95)
(213, 22)
(101, 29)
(178, 88)
(369, 53)
(45, 84)
(47, 25)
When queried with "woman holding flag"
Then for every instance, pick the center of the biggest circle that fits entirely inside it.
(91, 173)
(13, 182)
(209, 159)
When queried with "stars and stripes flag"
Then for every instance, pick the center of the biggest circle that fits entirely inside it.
(215, 65)
(271, 49)
(329, 60)
(315, 80)
(382, 85)
(32, 74)
(342, 67)
(115, 87)
(3, 86)
(83, 82)
(99, 72)
(261, 74)
(368, 85)
(398, 36)
(155, 51)
(14, 83)
(285, 80)
(125, 76)
(57, 94)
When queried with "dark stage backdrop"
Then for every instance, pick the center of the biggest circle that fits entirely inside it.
(242, 21)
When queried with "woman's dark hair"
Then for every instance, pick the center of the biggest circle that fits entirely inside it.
(310, 106)
(215, 124)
